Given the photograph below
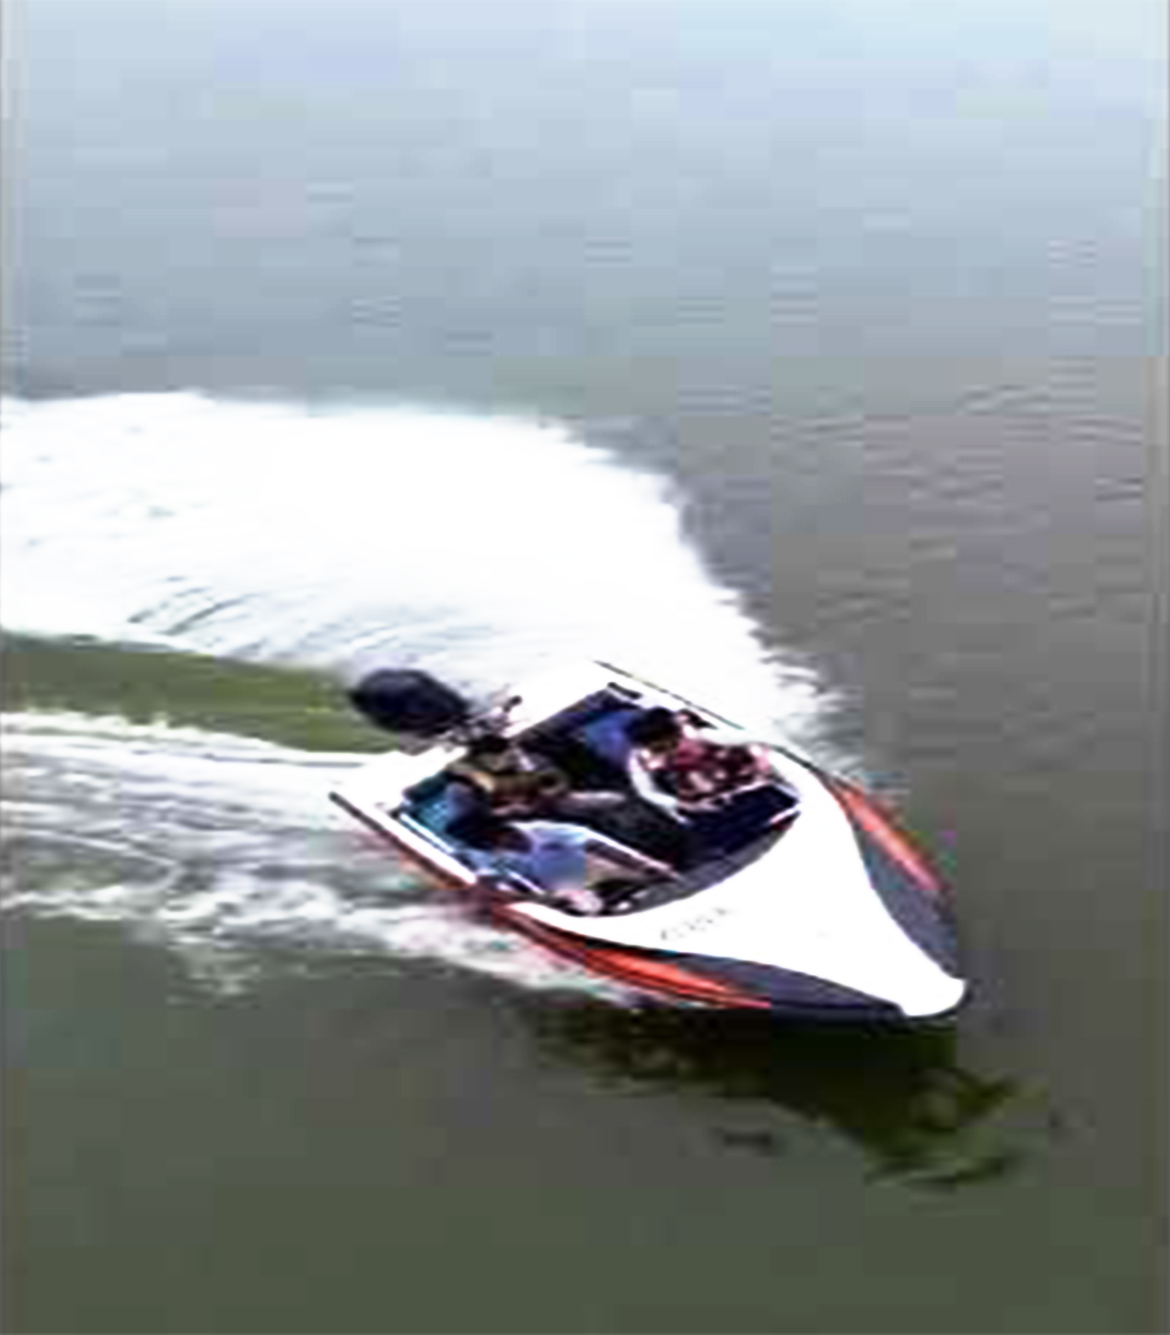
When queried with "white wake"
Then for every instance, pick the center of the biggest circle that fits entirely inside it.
(222, 849)
(481, 549)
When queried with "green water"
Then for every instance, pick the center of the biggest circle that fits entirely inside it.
(877, 290)
(294, 707)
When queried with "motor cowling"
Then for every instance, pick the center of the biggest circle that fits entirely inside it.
(403, 700)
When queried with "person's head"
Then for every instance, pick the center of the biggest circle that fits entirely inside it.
(654, 730)
(480, 829)
(489, 750)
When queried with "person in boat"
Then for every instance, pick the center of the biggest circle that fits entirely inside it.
(689, 770)
(515, 784)
(575, 866)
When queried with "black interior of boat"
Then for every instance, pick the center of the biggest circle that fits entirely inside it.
(587, 742)
(563, 740)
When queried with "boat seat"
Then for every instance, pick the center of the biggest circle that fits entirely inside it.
(437, 801)
(606, 736)
(748, 815)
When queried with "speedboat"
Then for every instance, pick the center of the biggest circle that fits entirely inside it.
(810, 902)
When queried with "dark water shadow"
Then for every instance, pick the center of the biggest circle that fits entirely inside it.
(903, 1097)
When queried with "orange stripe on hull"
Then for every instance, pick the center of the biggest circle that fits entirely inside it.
(645, 972)
(884, 832)
(638, 970)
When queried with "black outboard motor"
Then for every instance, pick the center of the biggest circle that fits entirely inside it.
(405, 701)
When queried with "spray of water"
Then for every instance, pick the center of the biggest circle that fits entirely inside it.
(481, 549)
(222, 849)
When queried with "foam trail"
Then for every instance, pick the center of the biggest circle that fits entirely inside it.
(479, 548)
(222, 848)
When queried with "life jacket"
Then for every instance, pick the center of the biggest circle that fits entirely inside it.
(522, 782)
(696, 768)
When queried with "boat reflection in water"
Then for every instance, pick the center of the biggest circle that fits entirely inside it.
(901, 1096)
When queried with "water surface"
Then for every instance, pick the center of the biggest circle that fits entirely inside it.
(804, 353)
